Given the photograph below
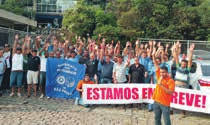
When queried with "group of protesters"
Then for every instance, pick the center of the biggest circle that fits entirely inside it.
(106, 63)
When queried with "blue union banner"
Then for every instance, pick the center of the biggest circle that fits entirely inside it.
(62, 78)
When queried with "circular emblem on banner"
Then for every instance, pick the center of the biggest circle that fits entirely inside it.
(70, 82)
(60, 79)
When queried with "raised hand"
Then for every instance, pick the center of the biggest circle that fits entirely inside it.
(159, 44)
(154, 43)
(154, 52)
(29, 38)
(192, 46)
(179, 45)
(112, 42)
(150, 43)
(137, 42)
(103, 40)
(146, 45)
(142, 46)
(16, 37)
(148, 50)
(127, 44)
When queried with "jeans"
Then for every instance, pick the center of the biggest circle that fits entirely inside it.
(42, 79)
(106, 80)
(160, 109)
(16, 79)
(80, 102)
(1, 78)
(150, 106)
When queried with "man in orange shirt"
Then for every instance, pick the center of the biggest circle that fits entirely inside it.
(79, 88)
(162, 95)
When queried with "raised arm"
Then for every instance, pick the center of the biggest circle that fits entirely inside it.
(153, 58)
(117, 48)
(175, 53)
(179, 47)
(162, 54)
(166, 50)
(28, 44)
(24, 44)
(15, 44)
(190, 55)
(149, 50)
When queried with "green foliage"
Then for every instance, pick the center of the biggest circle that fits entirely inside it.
(80, 20)
(17, 6)
(131, 19)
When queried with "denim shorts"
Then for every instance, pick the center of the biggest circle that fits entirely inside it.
(42, 80)
(16, 78)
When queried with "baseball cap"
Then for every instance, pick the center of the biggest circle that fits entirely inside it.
(34, 50)
(6, 45)
(73, 52)
(18, 49)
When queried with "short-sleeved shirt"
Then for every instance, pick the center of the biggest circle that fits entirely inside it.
(182, 75)
(159, 94)
(92, 67)
(33, 63)
(82, 82)
(144, 62)
(106, 70)
(137, 73)
(43, 64)
(2, 64)
(17, 62)
(83, 60)
(120, 70)
(76, 59)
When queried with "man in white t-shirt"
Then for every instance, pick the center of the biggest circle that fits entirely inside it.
(16, 77)
(42, 75)
(2, 67)
(17, 71)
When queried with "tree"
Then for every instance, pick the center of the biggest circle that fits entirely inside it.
(131, 19)
(17, 7)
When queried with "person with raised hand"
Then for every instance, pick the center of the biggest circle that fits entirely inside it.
(162, 95)
(183, 69)
(16, 76)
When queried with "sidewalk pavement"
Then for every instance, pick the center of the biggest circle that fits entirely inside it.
(35, 111)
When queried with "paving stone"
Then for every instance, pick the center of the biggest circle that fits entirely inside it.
(35, 111)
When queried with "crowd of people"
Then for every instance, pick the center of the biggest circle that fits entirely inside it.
(106, 62)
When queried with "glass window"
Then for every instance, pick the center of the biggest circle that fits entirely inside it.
(205, 70)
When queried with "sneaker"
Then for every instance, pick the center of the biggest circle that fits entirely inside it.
(150, 110)
(12, 94)
(42, 96)
(19, 95)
